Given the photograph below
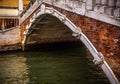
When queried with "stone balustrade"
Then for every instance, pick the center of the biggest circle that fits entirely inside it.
(111, 8)
(97, 20)
(108, 7)
(103, 10)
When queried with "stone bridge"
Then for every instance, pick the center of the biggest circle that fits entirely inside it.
(94, 22)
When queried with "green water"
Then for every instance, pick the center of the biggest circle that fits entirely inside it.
(65, 63)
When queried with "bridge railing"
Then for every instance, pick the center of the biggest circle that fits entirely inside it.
(75, 6)
(108, 7)
(103, 10)
(8, 23)
(31, 7)
(27, 7)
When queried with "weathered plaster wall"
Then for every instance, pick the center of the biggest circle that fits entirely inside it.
(10, 40)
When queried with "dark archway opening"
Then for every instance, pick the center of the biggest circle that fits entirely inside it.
(49, 30)
(59, 55)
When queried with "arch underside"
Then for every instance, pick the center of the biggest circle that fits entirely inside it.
(48, 29)
(77, 32)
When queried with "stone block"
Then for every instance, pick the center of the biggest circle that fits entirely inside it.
(117, 12)
(112, 3)
(96, 8)
(98, 2)
(104, 2)
(10, 37)
(81, 9)
(85, 0)
(80, 0)
(102, 9)
(118, 4)
(90, 4)
(110, 11)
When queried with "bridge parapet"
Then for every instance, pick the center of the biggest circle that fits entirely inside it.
(75, 14)
(104, 10)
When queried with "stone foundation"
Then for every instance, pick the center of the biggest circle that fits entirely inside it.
(10, 39)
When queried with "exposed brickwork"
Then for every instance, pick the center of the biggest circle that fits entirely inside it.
(23, 25)
(105, 37)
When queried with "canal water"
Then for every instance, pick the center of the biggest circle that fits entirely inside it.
(60, 63)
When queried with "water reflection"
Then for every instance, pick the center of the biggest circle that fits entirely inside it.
(52, 64)
(13, 70)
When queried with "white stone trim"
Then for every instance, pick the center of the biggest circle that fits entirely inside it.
(83, 8)
(98, 57)
(103, 18)
(20, 6)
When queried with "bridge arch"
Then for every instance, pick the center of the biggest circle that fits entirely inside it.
(77, 32)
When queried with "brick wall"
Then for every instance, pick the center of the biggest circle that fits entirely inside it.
(105, 37)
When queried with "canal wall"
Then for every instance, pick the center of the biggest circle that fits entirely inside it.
(10, 39)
